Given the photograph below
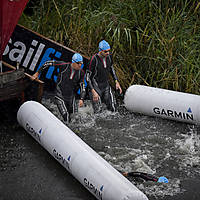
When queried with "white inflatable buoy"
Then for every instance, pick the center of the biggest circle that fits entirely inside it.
(88, 167)
(163, 103)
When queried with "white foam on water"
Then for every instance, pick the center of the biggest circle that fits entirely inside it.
(83, 118)
(160, 190)
(136, 160)
(188, 148)
(145, 160)
(127, 159)
(141, 144)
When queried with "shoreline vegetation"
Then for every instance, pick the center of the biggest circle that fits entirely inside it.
(154, 42)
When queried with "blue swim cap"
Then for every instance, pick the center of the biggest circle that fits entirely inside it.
(103, 45)
(77, 58)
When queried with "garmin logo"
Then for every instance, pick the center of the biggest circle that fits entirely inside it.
(174, 114)
(97, 192)
(33, 132)
(61, 159)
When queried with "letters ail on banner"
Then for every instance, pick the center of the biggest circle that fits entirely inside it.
(32, 50)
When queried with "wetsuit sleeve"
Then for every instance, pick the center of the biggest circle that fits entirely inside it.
(90, 72)
(46, 65)
(51, 63)
(112, 70)
(82, 85)
(145, 176)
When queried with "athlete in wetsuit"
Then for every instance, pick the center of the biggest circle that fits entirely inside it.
(97, 76)
(70, 79)
(145, 176)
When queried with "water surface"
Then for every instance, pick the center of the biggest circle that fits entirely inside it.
(129, 142)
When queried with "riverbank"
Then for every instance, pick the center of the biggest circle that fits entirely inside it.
(154, 43)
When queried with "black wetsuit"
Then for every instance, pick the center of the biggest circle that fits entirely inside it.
(69, 81)
(97, 76)
(142, 175)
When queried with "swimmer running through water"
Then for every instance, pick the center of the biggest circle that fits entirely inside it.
(70, 79)
(97, 75)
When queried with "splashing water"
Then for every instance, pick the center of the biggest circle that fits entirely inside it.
(133, 142)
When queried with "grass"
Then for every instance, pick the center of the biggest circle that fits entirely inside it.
(155, 43)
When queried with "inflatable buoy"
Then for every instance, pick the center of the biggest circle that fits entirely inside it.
(88, 167)
(163, 103)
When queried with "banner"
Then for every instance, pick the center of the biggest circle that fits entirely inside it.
(32, 50)
(10, 12)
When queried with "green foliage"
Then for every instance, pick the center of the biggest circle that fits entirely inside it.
(154, 42)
